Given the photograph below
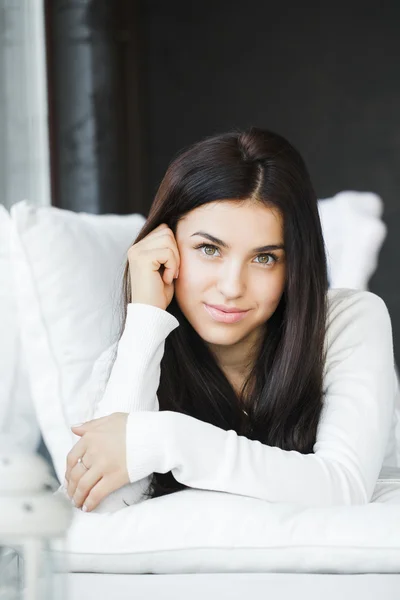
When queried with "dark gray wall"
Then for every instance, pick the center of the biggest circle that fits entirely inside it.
(326, 77)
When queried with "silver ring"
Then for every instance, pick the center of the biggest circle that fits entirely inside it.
(82, 463)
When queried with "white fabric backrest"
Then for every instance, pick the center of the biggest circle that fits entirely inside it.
(68, 276)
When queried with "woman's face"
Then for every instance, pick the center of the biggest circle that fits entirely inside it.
(235, 276)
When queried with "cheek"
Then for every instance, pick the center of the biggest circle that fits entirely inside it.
(193, 272)
(192, 277)
(269, 288)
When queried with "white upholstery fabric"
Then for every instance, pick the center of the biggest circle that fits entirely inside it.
(353, 233)
(68, 275)
(235, 586)
(200, 531)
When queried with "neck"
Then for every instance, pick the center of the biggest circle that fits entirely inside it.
(237, 360)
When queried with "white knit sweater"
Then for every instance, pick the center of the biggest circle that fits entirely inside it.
(355, 436)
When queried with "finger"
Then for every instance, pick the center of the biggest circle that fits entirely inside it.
(85, 484)
(174, 245)
(171, 267)
(158, 240)
(166, 231)
(72, 457)
(167, 258)
(155, 236)
(103, 488)
(164, 239)
(159, 229)
(90, 424)
(75, 476)
(77, 473)
(78, 429)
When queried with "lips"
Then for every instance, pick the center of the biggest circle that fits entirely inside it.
(225, 317)
(226, 310)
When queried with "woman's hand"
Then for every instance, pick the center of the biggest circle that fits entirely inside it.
(103, 469)
(153, 266)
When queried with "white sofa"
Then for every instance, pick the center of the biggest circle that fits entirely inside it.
(66, 271)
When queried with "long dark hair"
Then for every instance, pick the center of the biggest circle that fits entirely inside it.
(284, 395)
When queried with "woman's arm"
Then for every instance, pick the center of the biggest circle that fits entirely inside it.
(135, 374)
(132, 383)
(359, 387)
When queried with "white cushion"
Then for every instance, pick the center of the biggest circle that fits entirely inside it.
(345, 218)
(68, 275)
(199, 531)
(18, 423)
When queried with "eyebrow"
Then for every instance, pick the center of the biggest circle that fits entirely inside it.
(225, 245)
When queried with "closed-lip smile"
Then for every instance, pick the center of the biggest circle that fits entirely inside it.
(226, 309)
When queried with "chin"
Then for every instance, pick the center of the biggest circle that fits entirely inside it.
(216, 336)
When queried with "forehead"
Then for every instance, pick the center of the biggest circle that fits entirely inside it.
(225, 218)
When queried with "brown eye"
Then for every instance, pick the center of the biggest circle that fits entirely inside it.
(265, 263)
(264, 256)
(206, 247)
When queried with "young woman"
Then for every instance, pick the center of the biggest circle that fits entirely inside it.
(237, 370)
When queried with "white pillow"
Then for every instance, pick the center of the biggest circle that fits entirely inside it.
(68, 276)
(346, 217)
(199, 531)
(19, 428)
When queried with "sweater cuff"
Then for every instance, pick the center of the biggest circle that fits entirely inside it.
(159, 322)
(149, 437)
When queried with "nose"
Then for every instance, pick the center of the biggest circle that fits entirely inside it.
(231, 281)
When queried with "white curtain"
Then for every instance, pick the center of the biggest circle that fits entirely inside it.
(24, 147)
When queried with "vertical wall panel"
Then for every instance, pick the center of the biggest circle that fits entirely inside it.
(24, 154)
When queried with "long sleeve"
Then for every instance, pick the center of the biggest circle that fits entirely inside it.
(132, 383)
(135, 374)
(359, 388)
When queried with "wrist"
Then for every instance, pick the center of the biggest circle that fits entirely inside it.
(148, 437)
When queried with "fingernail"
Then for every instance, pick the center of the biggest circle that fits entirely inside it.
(76, 424)
(73, 502)
(84, 508)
